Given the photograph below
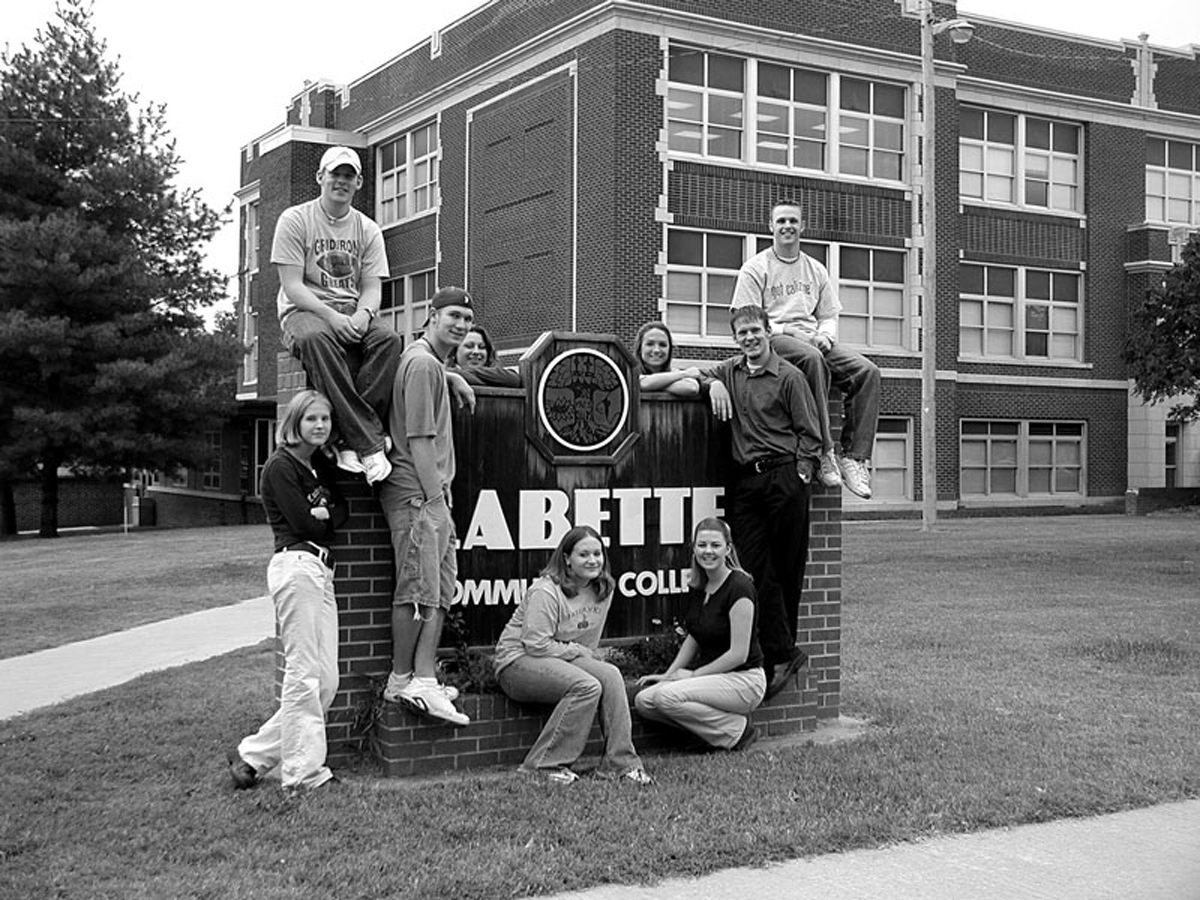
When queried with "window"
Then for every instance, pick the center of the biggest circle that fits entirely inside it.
(404, 305)
(264, 446)
(871, 288)
(1045, 174)
(702, 269)
(704, 103)
(251, 233)
(1021, 459)
(754, 111)
(1172, 182)
(1172, 455)
(249, 342)
(408, 175)
(891, 460)
(792, 112)
(871, 129)
(210, 478)
(1019, 313)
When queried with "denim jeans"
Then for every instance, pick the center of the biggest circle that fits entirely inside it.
(768, 513)
(851, 373)
(715, 708)
(578, 687)
(357, 378)
(306, 613)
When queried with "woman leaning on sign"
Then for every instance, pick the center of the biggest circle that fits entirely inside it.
(303, 508)
(548, 654)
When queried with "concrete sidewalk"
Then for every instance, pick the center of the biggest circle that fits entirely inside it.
(1144, 854)
(51, 676)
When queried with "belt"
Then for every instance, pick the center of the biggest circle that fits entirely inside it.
(766, 463)
(321, 553)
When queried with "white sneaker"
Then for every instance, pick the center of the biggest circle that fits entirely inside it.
(349, 461)
(431, 703)
(830, 475)
(856, 476)
(395, 687)
(376, 466)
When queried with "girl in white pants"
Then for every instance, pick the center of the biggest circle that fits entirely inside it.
(303, 508)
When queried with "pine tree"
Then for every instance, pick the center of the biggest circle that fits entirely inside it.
(104, 362)
(1163, 350)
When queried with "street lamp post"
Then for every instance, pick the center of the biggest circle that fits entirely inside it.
(960, 32)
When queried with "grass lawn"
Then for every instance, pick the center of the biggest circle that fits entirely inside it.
(1015, 670)
(84, 585)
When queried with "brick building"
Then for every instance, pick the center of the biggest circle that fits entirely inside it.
(589, 165)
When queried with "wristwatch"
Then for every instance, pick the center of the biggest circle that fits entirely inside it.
(371, 313)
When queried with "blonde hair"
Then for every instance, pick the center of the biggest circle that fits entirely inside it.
(288, 431)
(697, 577)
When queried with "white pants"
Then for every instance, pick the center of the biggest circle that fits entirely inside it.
(306, 612)
(715, 708)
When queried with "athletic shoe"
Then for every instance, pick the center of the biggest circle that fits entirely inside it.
(556, 775)
(431, 703)
(830, 475)
(349, 461)
(376, 466)
(637, 775)
(391, 693)
(856, 476)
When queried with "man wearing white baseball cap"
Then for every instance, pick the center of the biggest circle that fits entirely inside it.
(331, 264)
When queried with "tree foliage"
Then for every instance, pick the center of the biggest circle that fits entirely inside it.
(105, 362)
(1163, 350)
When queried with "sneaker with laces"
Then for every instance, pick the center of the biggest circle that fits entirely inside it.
(376, 466)
(856, 476)
(431, 703)
(831, 476)
(349, 461)
(637, 775)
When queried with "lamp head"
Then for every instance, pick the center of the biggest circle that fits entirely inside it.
(960, 30)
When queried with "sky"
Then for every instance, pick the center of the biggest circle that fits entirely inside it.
(227, 70)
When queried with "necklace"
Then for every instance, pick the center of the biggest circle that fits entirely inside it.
(784, 259)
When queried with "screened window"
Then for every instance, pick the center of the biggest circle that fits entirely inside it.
(705, 103)
(871, 288)
(871, 129)
(892, 460)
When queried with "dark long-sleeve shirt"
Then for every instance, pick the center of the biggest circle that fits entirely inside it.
(774, 412)
(290, 490)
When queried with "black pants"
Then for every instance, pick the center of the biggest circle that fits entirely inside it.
(768, 513)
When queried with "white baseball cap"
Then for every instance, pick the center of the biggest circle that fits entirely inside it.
(338, 156)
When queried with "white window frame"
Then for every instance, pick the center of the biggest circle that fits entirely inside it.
(210, 476)
(1020, 306)
(982, 164)
(407, 189)
(251, 237)
(692, 137)
(713, 304)
(1012, 449)
(893, 440)
(404, 306)
(1172, 188)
